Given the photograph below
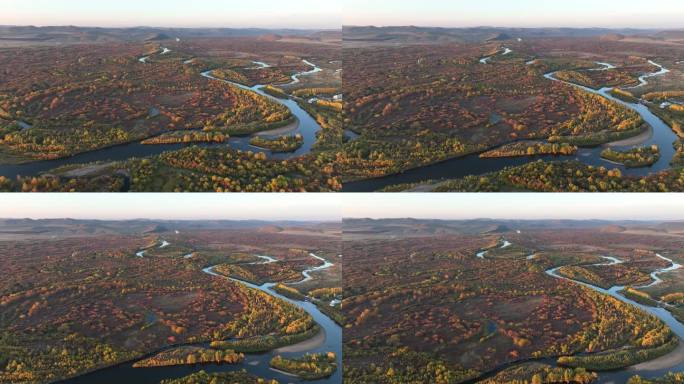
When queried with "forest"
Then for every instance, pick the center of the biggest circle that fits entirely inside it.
(67, 113)
(160, 93)
(186, 137)
(671, 378)
(538, 373)
(190, 356)
(426, 104)
(633, 158)
(530, 148)
(191, 169)
(447, 302)
(309, 367)
(85, 296)
(569, 176)
(203, 377)
(279, 144)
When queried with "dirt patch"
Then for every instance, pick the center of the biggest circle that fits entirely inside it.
(290, 128)
(86, 171)
(635, 140)
(306, 345)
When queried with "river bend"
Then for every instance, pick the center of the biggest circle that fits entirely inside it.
(659, 134)
(306, 125)
(671, 362)
(328, 340)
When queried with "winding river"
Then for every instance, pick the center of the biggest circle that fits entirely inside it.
(295, 77)
(485, 60)
(671, 362)
(306, 125)
(329, 339)
(659, 134)
(307, 273)
(642, 79)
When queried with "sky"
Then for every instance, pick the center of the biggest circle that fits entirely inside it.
(516, 13)
(332, 207)
(172, 206)
(456, 206)
(300, 14)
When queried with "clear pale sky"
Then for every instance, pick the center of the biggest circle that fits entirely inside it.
(516, 13)
(174, 13)
(625, 206)
(326, 206)
(212, 206)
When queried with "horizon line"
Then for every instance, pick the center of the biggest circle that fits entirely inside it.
(168, 219)
(346, 218)
(509, 219)
(169, 27)
(144, 218)
(507, 27)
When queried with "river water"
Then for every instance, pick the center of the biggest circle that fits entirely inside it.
(671, 362)
(254, 363)
(307, 273)
(307, 127)
(295, 77)
(642, 79)
(661, 134)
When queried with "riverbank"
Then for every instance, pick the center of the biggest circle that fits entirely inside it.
(639, 139)
(301, 347)
(288, 129)
(12, 165)
(672, 360)
(469, 164)
(328, 339)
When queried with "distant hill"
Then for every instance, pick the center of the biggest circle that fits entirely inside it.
(405, 35)
(80, 35)
(29, 228)
(270, 229)
(270, 37)
(401, 35)
(499, 229)
(500, 37)
(409, 227)
(158, 37)
(613, 37)
(157, 228)
(671, 35)
(613, 229)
